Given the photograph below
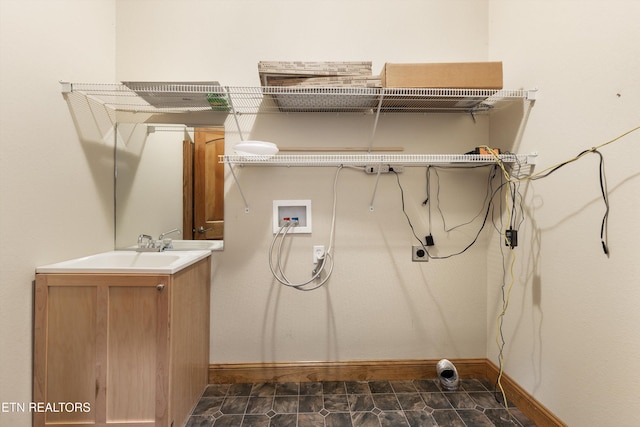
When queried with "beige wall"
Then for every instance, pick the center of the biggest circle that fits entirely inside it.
(572, 310)
(572, 328)
(379, 305)
(56, 190)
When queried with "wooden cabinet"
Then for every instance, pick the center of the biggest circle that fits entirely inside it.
(115, 349)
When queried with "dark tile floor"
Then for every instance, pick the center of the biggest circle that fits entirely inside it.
(354, 404)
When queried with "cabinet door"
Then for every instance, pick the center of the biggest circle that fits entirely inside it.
(65, 352)
(102, 340)
(137, 354)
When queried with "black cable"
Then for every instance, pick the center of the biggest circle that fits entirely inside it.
(493, 214)
(603, 189)
(519, 167)
(427, 201)
(405, 212)
(475, 239)
(605, 198)
(582, 153)
(491, 176)
(501, 323)
(512, 192)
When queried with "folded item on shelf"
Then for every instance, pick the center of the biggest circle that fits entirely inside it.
(293, 73)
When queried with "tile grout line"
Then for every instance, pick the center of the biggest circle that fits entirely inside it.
(400, 404)
(295, 391)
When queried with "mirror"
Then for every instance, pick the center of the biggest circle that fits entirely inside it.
(152, 191)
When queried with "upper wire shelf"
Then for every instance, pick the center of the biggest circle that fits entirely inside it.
(175, 97)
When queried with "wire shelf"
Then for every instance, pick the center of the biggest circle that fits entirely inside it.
(159, 97)
(375, 159)
(180, 97)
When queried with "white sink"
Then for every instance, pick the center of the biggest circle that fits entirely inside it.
(128, 262)
(189, 245)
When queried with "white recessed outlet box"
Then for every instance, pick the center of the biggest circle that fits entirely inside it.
(292, 210)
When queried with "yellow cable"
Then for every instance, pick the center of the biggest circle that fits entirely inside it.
(582, 154)
(509, 179)
(571, 160)
(505, 305)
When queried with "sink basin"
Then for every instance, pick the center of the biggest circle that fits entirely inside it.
(191, 245)
(128, 262)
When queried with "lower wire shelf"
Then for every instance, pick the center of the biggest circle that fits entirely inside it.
(373, 159)
(362, 160)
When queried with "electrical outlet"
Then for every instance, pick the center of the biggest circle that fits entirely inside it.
(318, 253)
(418, 254)
(376, 168)
(373, 169)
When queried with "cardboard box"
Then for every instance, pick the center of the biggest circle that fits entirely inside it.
(463, 75)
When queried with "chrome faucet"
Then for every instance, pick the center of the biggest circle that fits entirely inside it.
(175, 230)
(147, 244)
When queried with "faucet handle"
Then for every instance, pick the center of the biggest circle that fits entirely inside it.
(175, 230)
(141, 241)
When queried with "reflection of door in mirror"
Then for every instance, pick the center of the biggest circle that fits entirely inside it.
(203, 185)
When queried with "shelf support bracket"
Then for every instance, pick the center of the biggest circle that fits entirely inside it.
(375, 188)
(375, 120)
(234, 112)
(244, 200)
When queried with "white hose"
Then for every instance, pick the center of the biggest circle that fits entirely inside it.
(325, 263)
